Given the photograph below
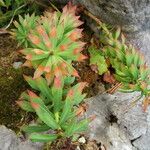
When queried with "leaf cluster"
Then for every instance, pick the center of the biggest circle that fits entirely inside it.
(56, 106)
(52, 42)
(12, 8)
(128, 63)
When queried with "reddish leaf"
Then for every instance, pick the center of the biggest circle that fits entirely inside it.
(57, 82)
(94, 67)
(53, 32)
(75, 73)
(82, 86)
(81, 109)
(38, 72)
(146, 102)
(47, 69)
(40, 30)
(32, 94)
(63, 47)
(77, 51)
(27, 64)
(82, 57)
(70, 93)
(35, 105)
(109, 78)
(29, 57)
(35, 40)
(38, 51)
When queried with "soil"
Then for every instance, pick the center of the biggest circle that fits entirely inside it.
(95, 82)
(68, 145)
(11, 84)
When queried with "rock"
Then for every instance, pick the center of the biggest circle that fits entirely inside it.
(17, 65)
(118, 125)
(10, 141)
(82, 140)
(143, 141)
(101, 128)
(78, 148)
(142, 42)
(132, 15)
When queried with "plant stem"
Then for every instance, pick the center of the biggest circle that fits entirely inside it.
(14, 15)
(57, 117)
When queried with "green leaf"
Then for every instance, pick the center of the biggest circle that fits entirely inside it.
(77, 89)
(69, 80)
(129, 59)
(66, 110)
(2, 3)
(31, 82)
(35, 137)
(136, 59)
(97, 59)
(117, 33)
(82, 126)
(57, 92)
(144, 72)
(134, 71)
(24, 96)
(42, 111)
(25, 105)
(43, 87)
(120, 56)
(70, 128)
(35, 128)
(77, 127)
(123, 79)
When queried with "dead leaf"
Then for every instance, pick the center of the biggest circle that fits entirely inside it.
(109, 78)
(146, 102)
(81, 109)
(94, 68)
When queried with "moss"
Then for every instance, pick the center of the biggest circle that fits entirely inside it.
(11, 86)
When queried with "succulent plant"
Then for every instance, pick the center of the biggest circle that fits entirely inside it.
(56, 106)
(98, 60)
(129, 65)
(23, 28)
(54, 44)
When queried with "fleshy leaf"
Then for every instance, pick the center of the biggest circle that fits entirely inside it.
(97, 59)
(42, 111)
(36, 137)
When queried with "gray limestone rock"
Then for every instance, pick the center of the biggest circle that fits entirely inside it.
(10, 141)
(142, 42)
(118, 124)
(131, 15)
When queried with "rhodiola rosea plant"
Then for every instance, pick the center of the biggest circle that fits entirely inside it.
(23, 28)
(129, 65)
(56, 106)
(53, 43)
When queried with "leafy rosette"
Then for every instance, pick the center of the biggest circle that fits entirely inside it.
(55, 106)
(55, 43)
(23, 28)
